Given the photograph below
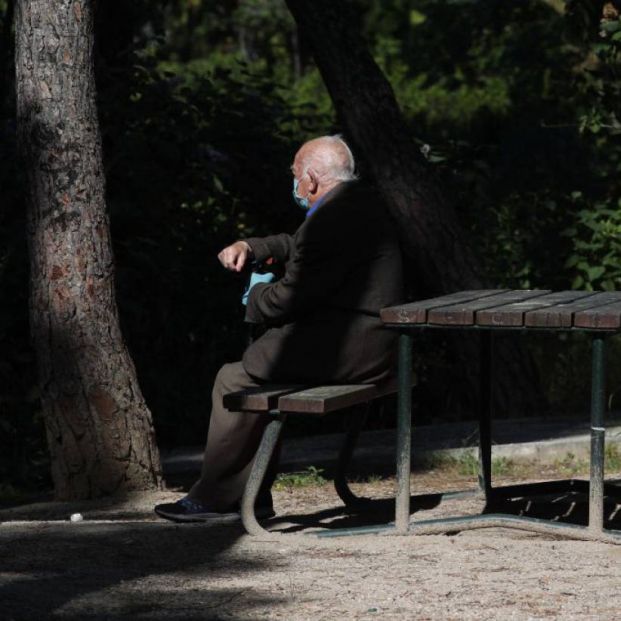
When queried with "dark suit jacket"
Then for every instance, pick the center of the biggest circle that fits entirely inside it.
(341, 267)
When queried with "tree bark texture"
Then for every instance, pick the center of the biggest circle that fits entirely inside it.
(433, 240)
(99, 429)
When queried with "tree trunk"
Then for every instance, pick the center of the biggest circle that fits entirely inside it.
(100, 433)
(433, 241)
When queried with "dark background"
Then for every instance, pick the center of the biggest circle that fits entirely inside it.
(203, 104)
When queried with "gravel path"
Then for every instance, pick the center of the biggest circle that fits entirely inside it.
(121, 563)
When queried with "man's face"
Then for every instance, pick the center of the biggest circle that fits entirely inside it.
(297, 171)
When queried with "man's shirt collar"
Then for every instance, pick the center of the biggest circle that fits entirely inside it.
(315, 207)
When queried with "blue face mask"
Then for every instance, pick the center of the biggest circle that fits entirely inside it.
(301, 201)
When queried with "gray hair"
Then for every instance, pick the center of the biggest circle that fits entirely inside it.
(332, 159)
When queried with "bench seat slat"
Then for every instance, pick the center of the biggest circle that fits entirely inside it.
(317, 400)
(260, 399)
(324, 399)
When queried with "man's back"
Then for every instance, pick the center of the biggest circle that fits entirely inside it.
(344, 265)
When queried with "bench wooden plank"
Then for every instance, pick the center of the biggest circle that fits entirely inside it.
(562, 315)
(603, 317)
(311, 400)
(416, 312)
(260, 399)
(465, 313)
(514, 314)
(324, 399)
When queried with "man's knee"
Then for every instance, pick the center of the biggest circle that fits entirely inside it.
(232, 377)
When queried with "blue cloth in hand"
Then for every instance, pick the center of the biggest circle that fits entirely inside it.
(256, 278)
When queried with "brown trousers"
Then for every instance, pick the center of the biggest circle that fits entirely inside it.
(232, 442)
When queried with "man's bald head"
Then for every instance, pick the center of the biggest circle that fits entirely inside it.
(319, 166)
(329, 157)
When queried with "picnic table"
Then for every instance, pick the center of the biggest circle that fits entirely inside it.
(488, 312)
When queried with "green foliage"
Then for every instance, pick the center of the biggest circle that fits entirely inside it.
(596, 238)
(311, 477)
(612, 458)
(570, 465)
(467, 464)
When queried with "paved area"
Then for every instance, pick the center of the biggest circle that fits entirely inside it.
(544, 440)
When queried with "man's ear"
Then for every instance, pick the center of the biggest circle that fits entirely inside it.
(314, 181)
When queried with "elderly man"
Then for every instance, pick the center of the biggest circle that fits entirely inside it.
(342, 265)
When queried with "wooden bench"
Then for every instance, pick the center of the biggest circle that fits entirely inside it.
(280, 401)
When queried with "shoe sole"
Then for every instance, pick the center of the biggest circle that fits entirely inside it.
(213, 518)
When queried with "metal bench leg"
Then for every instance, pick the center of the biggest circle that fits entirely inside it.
(404, 434)
(341, 486)
(598, 434)
(486, 404)
(257, 474)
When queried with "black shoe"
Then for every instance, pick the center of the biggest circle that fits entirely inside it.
(187, 510)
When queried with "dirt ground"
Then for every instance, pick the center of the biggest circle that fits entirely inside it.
(122, 563)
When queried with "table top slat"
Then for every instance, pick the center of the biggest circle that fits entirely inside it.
(465, 314)
(562, 315)
(512, 308)
(416, 312)
(603, 317)
(513, 315)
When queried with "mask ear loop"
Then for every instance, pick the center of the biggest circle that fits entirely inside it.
(301, 201)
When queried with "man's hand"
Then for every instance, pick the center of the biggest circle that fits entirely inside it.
(234, 257)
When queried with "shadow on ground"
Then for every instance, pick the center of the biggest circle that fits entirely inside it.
(563, 501)
(154, 570)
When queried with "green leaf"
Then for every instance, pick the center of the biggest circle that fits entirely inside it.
(594, 226)
(577, 282)
(594, 273)
(417, 18)
(611, 26)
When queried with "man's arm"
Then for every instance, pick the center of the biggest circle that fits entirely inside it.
(279, 247)
(316, 269)
(234, 257)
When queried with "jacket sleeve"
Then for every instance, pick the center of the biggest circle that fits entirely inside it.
(280, 247)
(318, 266)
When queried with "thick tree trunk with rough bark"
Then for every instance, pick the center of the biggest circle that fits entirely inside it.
(99, 429)
(432, 238)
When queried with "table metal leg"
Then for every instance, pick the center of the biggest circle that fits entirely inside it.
(595, 530)
(404, 434)
(486, 404)
(598, 433)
